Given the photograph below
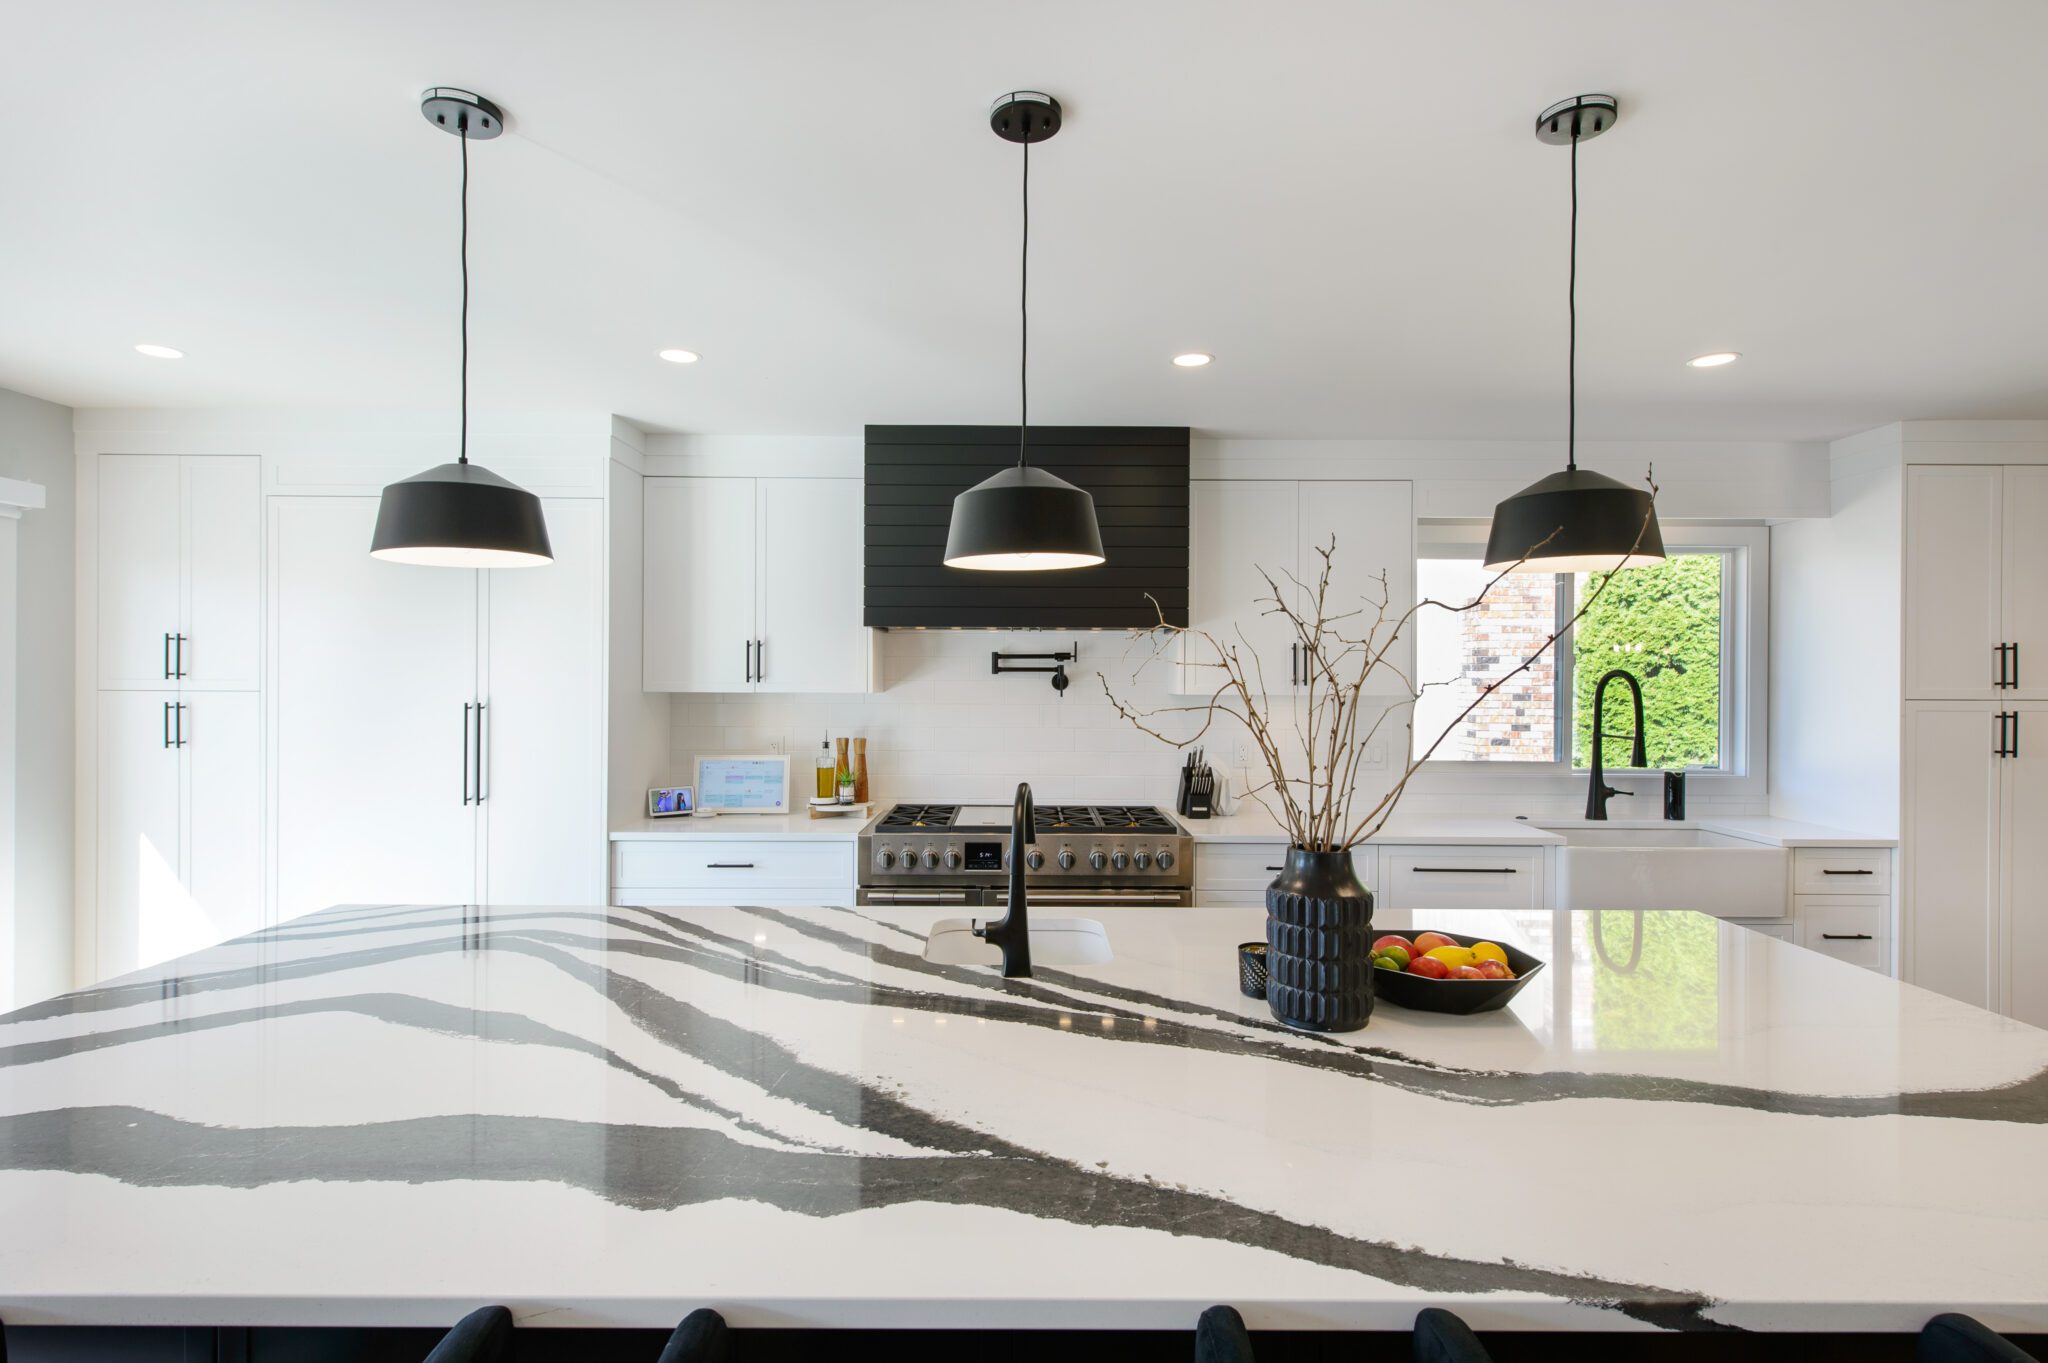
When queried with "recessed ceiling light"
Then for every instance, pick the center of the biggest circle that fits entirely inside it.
(1194, 359)
(159, 352)
(680, 356)
(1714, 359)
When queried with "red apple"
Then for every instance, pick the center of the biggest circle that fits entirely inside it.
(1425, 942)
(1429, 967)
(1467, 972)
(1395, 939)
(1494, 970)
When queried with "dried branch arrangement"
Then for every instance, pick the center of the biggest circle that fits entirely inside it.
(1346, 644)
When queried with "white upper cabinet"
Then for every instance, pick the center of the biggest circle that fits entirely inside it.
(180, 572)
(808, 632)
(1974, 566)
(1241, 533)
(754, 584)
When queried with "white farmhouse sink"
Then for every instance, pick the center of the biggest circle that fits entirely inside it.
(1054, 941)
(1669, 868)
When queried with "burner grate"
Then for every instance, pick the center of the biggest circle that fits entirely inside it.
(1106, 818)
(901, 818)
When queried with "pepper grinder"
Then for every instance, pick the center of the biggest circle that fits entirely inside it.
(860, 771)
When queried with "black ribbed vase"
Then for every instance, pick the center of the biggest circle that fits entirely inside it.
(1319, 943)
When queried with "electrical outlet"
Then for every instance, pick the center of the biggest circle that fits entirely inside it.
(1375, 757)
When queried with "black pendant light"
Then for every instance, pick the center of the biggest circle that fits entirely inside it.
(1024, 519)
(1576, 521)
(461, 515)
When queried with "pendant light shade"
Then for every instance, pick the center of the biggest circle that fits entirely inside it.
(461, 515)
(1575, 521)
(1024, 520)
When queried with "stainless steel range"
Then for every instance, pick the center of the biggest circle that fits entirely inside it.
(1085, 854)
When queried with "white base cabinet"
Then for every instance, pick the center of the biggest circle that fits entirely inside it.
(754, 584)
(707, 872)
(437, 733)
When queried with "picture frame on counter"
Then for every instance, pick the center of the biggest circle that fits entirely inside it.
(671, 802)
(743, 783)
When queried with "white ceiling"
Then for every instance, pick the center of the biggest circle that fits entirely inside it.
(1343, 201)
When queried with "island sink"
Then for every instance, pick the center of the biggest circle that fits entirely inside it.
(1054, 941)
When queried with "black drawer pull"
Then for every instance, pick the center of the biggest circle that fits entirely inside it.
(1845, 937)
(1463, 870)
(729, 866)
(1273, 868)
(1830, 872)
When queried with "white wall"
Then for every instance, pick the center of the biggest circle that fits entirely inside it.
(35, 446)
(1835, 647)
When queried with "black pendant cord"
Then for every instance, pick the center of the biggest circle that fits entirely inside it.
(1024, 317)
(1571, 383)
(462, 132)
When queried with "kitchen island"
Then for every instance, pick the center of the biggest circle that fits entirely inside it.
(384, 1115)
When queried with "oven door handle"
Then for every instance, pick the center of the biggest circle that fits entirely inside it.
(1057, 898)
(917, 897)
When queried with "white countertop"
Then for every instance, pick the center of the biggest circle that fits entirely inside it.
(744, 827)
(382, 1116)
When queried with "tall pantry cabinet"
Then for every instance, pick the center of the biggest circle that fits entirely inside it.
(176, 724)
(1975, 744)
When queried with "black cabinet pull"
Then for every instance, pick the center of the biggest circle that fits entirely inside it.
(1845, 937)
(180, 728)
(1826, 871)
(760, 660)
(466, 707)
(167, 723)
(2015, 727)
(1272, 868)
(2015, 663)
(747, 656)
(2004, 673)
(1463, 870)
(729, 866)
(481, 792)
(168, 674)
(178, 655)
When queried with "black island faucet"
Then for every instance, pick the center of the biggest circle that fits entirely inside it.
(1598, 792)
(1012, 932)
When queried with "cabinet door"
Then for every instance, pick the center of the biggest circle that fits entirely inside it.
(2024, 576)
(1237, 529)
(373, 663)
(1950, 858)
(2023, 957)
(138, 569)
(698, 579)
(223, 790)
(144, 915)
(1372, 525)
(1953, 530)
(811, 637)
(223, 577)
(543, 776)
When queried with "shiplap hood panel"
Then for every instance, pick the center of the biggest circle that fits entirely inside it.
(1138, 476)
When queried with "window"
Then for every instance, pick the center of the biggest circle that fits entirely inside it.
(1674, 626)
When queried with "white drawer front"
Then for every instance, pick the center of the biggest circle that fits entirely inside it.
(1248, 867)
(707, 864)
(1853, 928)
(655, 897)
(1462, 878)
(1841, 870)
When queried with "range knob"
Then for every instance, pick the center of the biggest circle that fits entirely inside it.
(952, 858)
(1035, 859)
(1141, 860)
(908, 858)
(1122, 860)
(1097, 860)
(885, 858)
(1066, 858)
(1165, 859)
(931, 860)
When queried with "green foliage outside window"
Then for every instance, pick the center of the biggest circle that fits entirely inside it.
(1662, 623)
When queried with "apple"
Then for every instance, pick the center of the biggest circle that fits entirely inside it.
(1426, 942)
(1467, 972)
(1395, 939)
(1399, 955)
(1493, 970)
(1429, 968)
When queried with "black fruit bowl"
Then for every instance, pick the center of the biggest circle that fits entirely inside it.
(1455, 996)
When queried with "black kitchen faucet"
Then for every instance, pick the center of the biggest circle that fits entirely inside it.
(1598, 792)
(1012, 932)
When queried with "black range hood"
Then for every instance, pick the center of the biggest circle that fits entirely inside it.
(1137, 474)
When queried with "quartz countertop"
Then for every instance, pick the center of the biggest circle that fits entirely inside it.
(385, 1115)
(745, 827)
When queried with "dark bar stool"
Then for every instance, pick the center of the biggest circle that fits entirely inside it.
(701, 1338)
(482, 1336)
(1956, 1338)
(1441, 1337)
(1220, 1337)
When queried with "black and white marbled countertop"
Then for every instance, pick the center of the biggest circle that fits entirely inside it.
(608, 1116)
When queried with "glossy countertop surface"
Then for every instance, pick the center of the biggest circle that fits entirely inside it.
(386, 1115)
